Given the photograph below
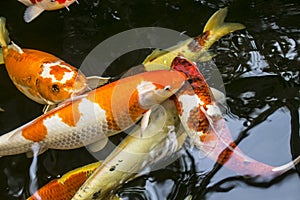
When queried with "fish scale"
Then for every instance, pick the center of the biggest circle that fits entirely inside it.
(99, 113)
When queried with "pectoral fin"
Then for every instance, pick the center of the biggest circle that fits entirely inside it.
(32, 12)
(145, 121)
(97, 81)
(218, 95)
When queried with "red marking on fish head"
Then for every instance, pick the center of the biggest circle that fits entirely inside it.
(194, 77)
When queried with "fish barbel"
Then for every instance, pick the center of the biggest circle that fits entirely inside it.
(92, 117)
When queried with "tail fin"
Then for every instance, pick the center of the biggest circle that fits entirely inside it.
(284, 168)
(4, 39)
(217, 28)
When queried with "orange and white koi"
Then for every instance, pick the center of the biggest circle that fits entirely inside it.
(94, 116)
(207, 129)
(42, 77)
(36, 7)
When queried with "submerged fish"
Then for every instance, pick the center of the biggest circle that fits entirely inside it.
(91, 118)
(36, 7)
(204, 124)
(195, 49)
(42, 77)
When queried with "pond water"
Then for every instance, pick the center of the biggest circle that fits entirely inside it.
(260, 69)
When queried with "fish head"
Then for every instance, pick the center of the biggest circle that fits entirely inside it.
(158, 86)
(59, 81)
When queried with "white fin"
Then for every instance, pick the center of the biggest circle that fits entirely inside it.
(288, 166)
(16, 47)
(36, 150)
(32, 12)
(1, 109)
(97, 146)
(26, 2)
(96, 81)
(145, 121)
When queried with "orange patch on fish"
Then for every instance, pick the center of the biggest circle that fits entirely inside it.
(36, 132)
(70, 115)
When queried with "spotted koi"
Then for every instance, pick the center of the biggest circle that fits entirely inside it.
(94, 116)
(42, 77)
(36, 7)
(203, 122)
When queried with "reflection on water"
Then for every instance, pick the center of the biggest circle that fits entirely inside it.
(259, 66)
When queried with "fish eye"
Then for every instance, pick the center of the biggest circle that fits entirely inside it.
(52, 1)
(167, 88)
(55, 88)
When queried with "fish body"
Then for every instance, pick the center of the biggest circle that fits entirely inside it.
(42, 77)
(207, 129)
(65, 187)
(194, 49)
(160, 139)
(36, 7)
(92, 117)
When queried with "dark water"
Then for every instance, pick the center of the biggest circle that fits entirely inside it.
(259, 66)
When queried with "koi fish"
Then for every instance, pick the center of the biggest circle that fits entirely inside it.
(204, 124)
(36, 7)
(194, 49)
(42, 77)
(89, 119)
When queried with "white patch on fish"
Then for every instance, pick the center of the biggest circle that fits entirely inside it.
(47, 69)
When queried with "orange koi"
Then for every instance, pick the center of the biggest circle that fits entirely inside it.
(42, 77)
(207, 129)
(65, 187)
(91, 118)
(36, 7)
